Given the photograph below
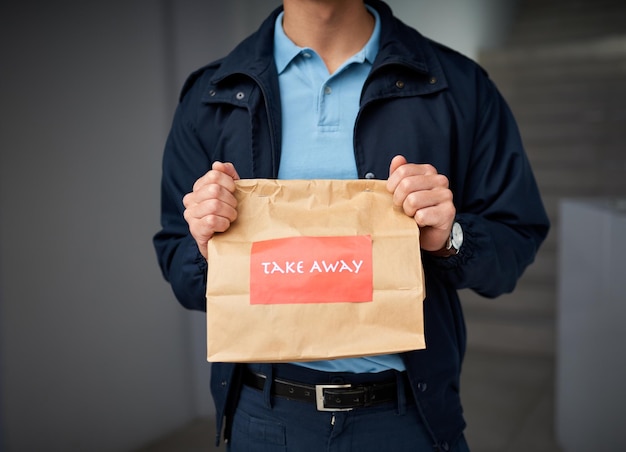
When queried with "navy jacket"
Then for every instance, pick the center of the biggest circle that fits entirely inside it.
(421, 100)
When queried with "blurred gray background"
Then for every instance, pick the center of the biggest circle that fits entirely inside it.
(96, 354)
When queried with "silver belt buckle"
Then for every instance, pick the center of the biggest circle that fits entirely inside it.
(319, 397)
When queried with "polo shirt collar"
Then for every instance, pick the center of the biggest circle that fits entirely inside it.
(285, 50)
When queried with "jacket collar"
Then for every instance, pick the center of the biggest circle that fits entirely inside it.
(399, 44)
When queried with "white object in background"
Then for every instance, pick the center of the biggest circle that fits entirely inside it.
(591, 326)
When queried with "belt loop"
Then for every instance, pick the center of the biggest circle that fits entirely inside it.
(400, 386)
(268, 371)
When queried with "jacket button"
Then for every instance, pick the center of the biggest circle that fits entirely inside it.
(445, 446)
(370, 176)
(400, 84)
(240, 95)
(422, 387)
(212, 93)
(432, 80)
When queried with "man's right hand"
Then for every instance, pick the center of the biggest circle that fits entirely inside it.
(211, 207)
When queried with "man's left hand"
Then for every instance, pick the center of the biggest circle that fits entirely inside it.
(423, 194)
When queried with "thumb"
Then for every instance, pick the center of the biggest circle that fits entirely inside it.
(396, 162)
(226, 168)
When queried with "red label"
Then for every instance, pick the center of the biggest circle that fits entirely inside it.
(311, 270)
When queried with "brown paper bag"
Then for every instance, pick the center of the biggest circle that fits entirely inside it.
(314, 270)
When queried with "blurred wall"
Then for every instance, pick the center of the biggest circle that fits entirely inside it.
(468, 26)
(95, 353)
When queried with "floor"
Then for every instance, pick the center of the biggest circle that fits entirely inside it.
(508, 400)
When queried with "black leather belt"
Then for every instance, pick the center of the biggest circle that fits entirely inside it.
(329, 397)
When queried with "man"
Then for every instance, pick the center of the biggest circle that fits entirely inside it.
(342, 89)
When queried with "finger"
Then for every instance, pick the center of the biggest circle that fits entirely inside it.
(396, 162)
(226, 168)
(220, 173)
(394, 179)
(416, 203)
(210, 191)
(211, 200)
(405, 171)
(217, 178)
(202, 230)
(209, 217)
(409, 185)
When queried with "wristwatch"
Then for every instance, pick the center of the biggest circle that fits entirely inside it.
(453, 245)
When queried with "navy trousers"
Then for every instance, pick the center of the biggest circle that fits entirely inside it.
(265, 423)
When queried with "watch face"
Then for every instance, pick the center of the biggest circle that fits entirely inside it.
(457, 236)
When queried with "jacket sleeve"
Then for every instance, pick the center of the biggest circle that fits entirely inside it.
(498, 204)
(184, 161)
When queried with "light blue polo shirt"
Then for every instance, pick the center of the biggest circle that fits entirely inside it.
(318, 115)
